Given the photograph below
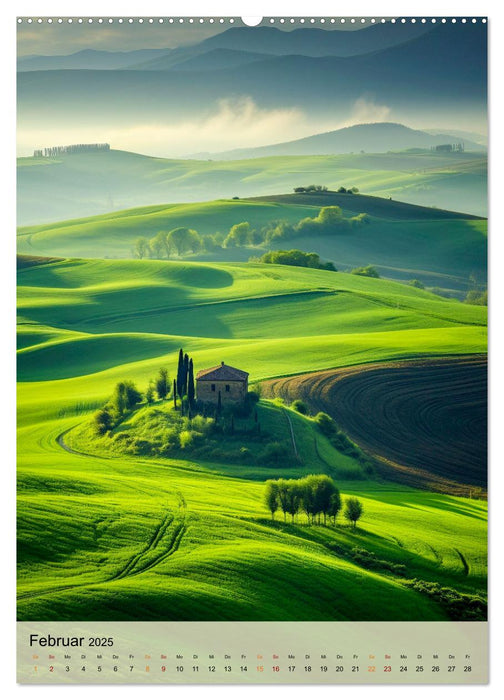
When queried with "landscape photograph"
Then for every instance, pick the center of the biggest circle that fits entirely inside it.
(252, 320)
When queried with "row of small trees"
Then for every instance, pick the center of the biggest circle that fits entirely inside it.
(309, 189)
(316, 495)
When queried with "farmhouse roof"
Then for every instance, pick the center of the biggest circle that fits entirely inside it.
(222, 373)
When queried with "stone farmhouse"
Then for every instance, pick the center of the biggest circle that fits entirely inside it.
(229, 382)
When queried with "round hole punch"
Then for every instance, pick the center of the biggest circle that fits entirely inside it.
(252, 21)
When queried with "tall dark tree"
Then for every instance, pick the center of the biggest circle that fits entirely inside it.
(186, 373)
(219, 404)
(190, 384)
(180, 373)
(175, 394)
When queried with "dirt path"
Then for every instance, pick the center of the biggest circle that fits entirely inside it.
(424, 421)
(291, 428)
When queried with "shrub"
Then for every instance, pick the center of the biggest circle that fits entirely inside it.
(275, 452)
(477, 298)
(459, 606)
(300, 407)
(186, 438)
(368, 271)
(326, 424)
(416, 283)
(103, 420)
(253, 396)
(369, 560)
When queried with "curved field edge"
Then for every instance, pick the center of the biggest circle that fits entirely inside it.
(102, 537)
(422, 420)
(187, 544)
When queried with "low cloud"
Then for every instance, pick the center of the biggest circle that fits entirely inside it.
(235, 123)
(366, 111)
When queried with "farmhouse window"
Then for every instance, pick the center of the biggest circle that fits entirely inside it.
(213, 387)
(227, 387)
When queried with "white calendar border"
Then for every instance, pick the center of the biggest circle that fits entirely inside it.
(247, 8)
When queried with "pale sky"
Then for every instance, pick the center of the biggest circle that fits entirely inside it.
(66, 38)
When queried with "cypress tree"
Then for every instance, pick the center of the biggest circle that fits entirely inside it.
(175, 394)
(180, 373)
(190, 384)
(219, 404)
(186, 373)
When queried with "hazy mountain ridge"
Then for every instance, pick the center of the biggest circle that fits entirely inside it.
(328, 86)
(262, 41)
(378, 137)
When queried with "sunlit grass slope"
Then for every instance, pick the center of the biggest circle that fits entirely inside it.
(105, 536)
(441, 248)
(50, 189)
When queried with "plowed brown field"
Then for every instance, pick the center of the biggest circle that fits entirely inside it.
(423, 421)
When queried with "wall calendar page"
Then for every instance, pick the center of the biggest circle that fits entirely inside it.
(252, 350)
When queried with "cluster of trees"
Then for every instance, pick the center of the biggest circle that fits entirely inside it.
(310, 189)
(182, 240)
(179, 241)
(367, 271)
(76, 148)
(297, 258)
(330, 220)
(316, 495)
(479, 298)
(123, 399)
(322, 188)
(347, 190)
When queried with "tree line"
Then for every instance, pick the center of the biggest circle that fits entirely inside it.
(182, 240)
(315, 189)
(317, 496)
(75, 148)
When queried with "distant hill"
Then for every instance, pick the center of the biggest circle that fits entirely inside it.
(440, 248)
(417, 77)
(192, 60)
(371, 138)
(88, 59)
(69, 186)
(311, 41)
(258, 41)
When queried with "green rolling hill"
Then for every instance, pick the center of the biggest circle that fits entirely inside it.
(441, 248)
(111, 536)
(79, 185)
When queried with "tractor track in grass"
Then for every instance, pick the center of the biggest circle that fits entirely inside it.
(163, 543)
(135, 566)
(423, 421)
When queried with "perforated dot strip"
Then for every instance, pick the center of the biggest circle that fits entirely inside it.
(266, 20)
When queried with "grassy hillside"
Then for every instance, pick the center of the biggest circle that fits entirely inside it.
(439, 247)
(109, 536)
(51, 189)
